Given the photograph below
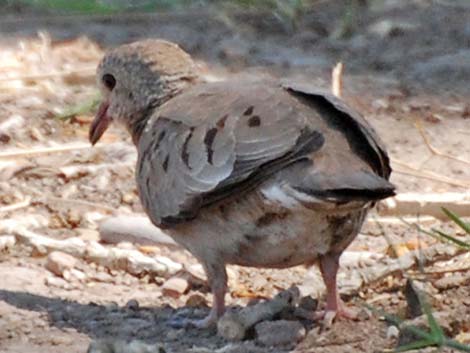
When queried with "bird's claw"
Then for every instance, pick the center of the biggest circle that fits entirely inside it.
(329, 316)
(184, 322)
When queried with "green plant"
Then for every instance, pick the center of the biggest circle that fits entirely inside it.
(441, 235)
(435, 336)
(86, 107)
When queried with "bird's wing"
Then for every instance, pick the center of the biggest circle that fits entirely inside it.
(219, 140)
(361, 175)
(212, 142)
(360, 135)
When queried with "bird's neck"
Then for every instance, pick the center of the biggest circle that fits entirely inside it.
(171, 89)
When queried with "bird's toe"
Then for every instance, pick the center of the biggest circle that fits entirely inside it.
(179, 322)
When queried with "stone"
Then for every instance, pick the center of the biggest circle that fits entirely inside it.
(393, 332)
(196, 300)
(7, 242)
(58, 262)
(308, 303)
(197, 276)
(132, 305)
(87, 234)
(391, 28)
(55, 282)
(280, 332)
(175, 287)
(452, 281)
(74, 275)
(120, 346)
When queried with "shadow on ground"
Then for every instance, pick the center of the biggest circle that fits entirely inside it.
(149, 324)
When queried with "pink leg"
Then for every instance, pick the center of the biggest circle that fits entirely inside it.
(218, 282)
(329, 265)
(218, 308)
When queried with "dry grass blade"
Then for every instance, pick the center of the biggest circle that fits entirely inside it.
(439, 235)
(16, 206)
(89, 71)
(87, 204)
(426, 174)
(45, 150)
(433, 149)
(337, 79)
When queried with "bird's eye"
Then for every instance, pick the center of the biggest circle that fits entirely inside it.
(109, 81)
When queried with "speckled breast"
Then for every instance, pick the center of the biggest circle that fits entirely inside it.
(252, 230)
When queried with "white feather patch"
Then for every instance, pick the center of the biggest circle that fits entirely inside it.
(275, 193)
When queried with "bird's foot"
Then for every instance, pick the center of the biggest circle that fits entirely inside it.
(209, 321)
(329, 315)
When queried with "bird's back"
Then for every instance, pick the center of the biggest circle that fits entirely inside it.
(219, 140)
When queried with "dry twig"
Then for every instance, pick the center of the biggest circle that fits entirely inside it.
(431, 204)
(44, 150)
(234, 325)
(134, 229)
(433, 149)
(88, 70)
(16, 206)
(426, 174)
(337, 79)
(129, 260)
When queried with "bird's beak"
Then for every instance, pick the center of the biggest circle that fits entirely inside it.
(100, 123)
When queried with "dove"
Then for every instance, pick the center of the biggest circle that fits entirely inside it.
(261, 173)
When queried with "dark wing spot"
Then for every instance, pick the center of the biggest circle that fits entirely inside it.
(208, 141)
(249, 110)
(221, 123)
(270, 217)
(250, 238)
(147, 183)
(165, 163)
(184, 151)
(161, 136)
(254, 121)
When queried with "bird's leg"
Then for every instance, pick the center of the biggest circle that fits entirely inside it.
(217, 277)
(218, 305)
(329, 264)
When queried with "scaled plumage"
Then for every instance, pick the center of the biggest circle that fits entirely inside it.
(266, 174)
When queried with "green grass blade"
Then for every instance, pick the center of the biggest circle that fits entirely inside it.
(436, 330)
(415, 345)
(457, 220)
(82, 108)
(439, 235)
(457, 345)
(452, 239)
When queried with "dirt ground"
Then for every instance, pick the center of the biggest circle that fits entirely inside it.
(407, 67)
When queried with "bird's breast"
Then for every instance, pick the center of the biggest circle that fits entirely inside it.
(265, 228)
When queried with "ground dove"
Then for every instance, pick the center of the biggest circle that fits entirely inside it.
(254, 173)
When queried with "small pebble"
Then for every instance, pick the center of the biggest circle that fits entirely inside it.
(74, 275)
(55, 282)
(308, 303)
(196, 300)
(364, 314)
(280, 332)
(173, 335)
(58, 262)
(392, 332)
(132, 305)
(7, 242)
(175, 287)
(111, 307)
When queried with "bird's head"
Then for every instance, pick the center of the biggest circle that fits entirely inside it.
(136, 78)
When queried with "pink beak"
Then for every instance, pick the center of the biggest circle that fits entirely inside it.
(100, 123)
